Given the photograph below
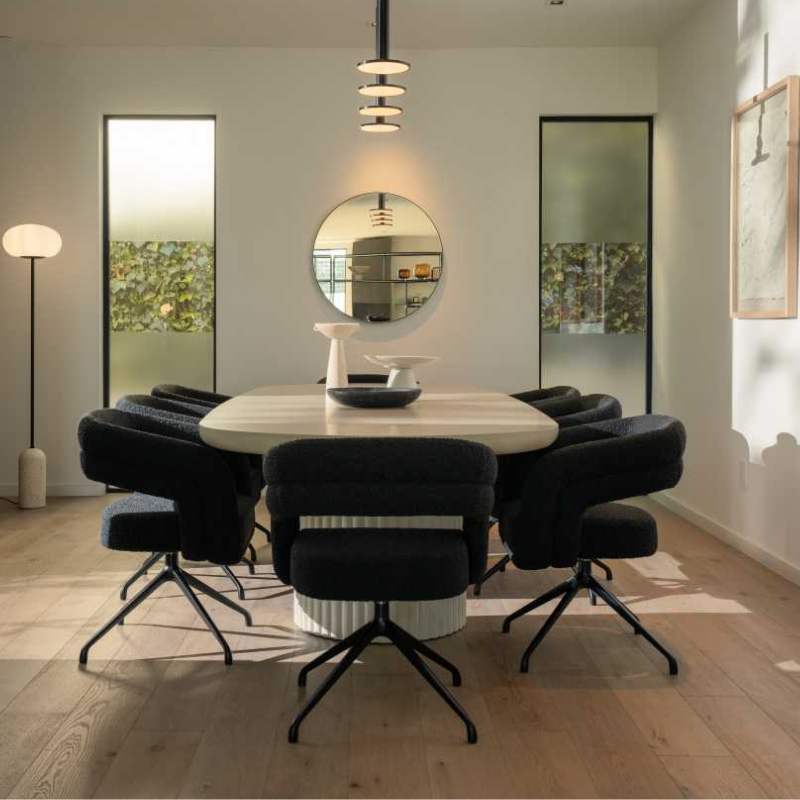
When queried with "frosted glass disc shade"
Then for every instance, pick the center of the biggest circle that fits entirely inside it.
(383, 66)
(381, 90)
(31, 241)
(379, 127)
(380, 111)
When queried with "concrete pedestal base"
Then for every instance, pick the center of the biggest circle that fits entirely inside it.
(32, 478)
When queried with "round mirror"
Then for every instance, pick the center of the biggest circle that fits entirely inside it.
(377, 257)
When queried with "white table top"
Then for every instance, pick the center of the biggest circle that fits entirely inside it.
(258, 420)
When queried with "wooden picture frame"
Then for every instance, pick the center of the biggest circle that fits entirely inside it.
(764, 240)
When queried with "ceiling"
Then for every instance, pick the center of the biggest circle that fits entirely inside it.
(342, 23)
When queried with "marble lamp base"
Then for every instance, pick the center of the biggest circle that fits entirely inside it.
(32, 478)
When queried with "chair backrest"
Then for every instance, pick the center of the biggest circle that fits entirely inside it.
(571, 411)
(533, 396)
(585, 466)
(182, 423)
(174, 391)
(160, 408)
(379, 477)
(149, 455)
(185, 407)
(362, 377)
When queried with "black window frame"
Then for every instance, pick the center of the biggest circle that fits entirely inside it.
(649, 120)
(106, 243)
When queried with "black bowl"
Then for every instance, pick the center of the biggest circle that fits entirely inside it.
(374, 397)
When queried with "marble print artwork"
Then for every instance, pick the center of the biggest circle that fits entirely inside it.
(762, 198)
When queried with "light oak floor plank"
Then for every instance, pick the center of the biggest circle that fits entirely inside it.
(711, 776)
(157, 714)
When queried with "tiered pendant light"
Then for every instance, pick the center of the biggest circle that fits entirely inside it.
(381, 217)
(381, 66)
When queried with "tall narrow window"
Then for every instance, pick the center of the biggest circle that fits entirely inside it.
(159, 254)
(594, 257)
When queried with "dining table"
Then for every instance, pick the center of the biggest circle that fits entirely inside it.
(258, 420)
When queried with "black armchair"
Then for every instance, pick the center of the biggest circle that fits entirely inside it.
(571, 411)
(187, 502)
(386, 477)
(245, 469)
(174, 391)
(534, 396)
(566, 517)
(568, 411)
(197, 403)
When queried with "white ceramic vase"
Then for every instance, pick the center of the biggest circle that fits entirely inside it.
(337, 332)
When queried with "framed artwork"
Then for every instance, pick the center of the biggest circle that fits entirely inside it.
(764, 203)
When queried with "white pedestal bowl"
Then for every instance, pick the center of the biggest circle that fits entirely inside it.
(401, 368)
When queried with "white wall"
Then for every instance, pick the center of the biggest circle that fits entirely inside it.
(289, 150)
(735, 384)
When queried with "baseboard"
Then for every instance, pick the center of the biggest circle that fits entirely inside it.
(730, 537)
(59, 490)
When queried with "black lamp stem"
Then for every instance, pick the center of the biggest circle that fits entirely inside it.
(33, 328)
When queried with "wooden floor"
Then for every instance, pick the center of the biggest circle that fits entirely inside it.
(157, 714)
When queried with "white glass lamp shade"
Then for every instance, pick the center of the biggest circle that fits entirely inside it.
(381, 90)
(379, 127)
(380, 111)
(383, 66)
(31, 241)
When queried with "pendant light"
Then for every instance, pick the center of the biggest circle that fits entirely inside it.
(381, 217)
(381, 66)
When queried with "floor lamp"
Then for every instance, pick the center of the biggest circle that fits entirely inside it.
(32, 242)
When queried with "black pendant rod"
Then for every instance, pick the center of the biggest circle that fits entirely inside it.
(33, 328)
(381, 41)
(382, 29)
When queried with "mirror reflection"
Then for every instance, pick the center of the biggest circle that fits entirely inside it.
(378, 257)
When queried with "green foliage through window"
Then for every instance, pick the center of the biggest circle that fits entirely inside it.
(595, 287)
(162, 286)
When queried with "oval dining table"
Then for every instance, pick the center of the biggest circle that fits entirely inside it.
(258, 420)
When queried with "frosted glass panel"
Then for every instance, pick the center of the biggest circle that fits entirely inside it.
(593, 258)
(161, 254)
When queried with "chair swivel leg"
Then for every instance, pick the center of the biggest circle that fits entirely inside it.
(355, 644)
(556, 591)
(179, 578)
(236, 582)
(568, 597)
(171, 572)
(352, 654)
(603, 566)
(200, 586)
(266, 531)
(413, 657)
(331, 652)
(150, 561)
(153, 558)
(133, 603)
(499, 566)
(638, 628)
(584, 579)
(397, 634)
